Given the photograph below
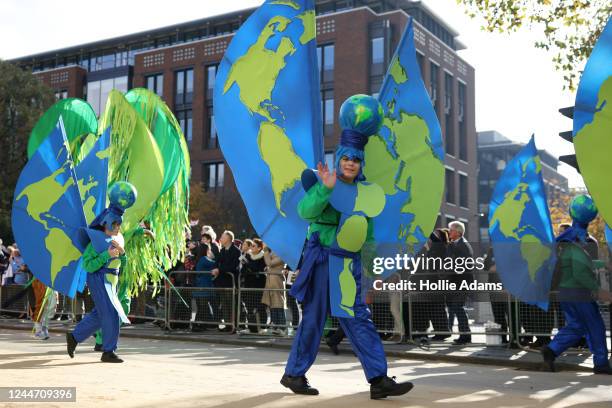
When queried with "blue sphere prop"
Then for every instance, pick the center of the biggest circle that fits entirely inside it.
(122, 194)
(582, 209)
(361, 113)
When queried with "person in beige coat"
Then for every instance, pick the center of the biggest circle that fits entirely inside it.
(274, 295)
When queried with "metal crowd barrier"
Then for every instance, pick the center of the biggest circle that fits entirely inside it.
(149, 305)
(200, 308)
(427, 313)
(18, 306)
(257, 318)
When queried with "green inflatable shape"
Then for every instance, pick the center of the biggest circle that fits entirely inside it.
(164, 128)
(78, 117)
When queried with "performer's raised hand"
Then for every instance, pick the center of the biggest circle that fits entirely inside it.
(113, 252)
(118, 247)
(328, 178)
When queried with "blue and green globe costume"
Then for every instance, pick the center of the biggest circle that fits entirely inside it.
(578, 282)
(340, 226)
(103, 272)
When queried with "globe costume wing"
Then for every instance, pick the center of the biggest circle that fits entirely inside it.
(92, 178)
(78, 117)
(406, 157)
(521, 230)
(593, 123)
(47, 216)
(267, 113)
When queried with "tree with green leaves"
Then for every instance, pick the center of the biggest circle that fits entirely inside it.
(23, 99)
(567, 28)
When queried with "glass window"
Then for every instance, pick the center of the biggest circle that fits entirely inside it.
(463, 151)
(325, 59)
(449, 125)
(211, 76)
(450, 186)
(421, 62)
(121, 84)
(463, 141)
(433, 85)
(188, 85)
(327, 106)
(180, 85)
(328, 57)
(184, 87)
(155, 83)
(463, 190)
(106, 86)
(212, 142)
(185, 121)
(108, 61)
(93, 95)
(214, 175)
(378, 50)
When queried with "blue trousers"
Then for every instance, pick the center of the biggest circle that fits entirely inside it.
(582, 319)
(104, 315)
(360, 330)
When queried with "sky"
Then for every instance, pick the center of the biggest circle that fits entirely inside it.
(518, 92)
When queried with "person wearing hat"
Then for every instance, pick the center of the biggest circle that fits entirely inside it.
(102, 260)
(578, 292)
(312, 285)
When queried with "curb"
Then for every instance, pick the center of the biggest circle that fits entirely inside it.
(523, 365)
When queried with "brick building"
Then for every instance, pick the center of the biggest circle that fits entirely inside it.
(356, 40)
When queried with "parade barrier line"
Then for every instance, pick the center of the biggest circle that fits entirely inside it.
(208, 307)
(15, 299)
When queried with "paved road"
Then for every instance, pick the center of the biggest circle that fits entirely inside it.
(184, 374)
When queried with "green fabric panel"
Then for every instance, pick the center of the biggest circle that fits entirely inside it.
(78, 117)
(164, 128)
(135, 157)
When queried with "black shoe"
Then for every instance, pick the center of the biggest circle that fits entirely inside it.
(463, 340)
(110, 357)
(71, 344)
(333, 347)
(603, 369)
(549, 359)
(98, 347)
(387, 387)
(440, 337)
(299, 385)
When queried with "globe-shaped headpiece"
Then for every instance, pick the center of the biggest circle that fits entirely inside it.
(582, 209)
(362, 114)
(122, 194)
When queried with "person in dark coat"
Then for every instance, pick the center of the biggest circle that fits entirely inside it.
(226, 276)
(253, 273)
(459, 247)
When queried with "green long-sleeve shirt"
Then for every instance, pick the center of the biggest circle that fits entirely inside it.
(315, 208)
(93, 261)
(577, 271)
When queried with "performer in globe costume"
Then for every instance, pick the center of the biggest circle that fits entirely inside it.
(267, 100)
(102, 260)
(578, 292)
(123, 293)
(312, 286)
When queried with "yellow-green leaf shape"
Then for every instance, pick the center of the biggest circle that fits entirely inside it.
(352, 234)
(370, 199)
